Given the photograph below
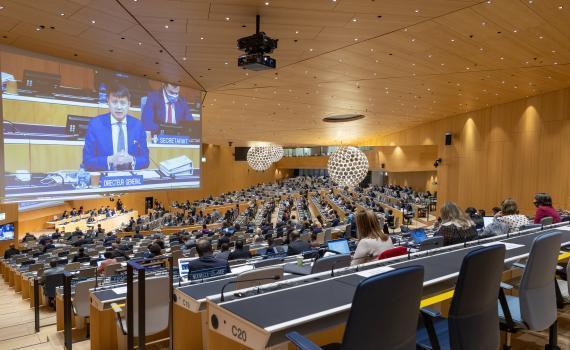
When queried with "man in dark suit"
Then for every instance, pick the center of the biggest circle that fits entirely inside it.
(297, 245)
(207, 259)
(115, 140)
(165, 106)
(239, 252)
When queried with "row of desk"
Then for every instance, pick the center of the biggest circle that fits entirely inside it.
(107, 223)
(316, 305)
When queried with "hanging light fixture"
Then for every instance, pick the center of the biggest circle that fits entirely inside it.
(276, 152)
(259, 158)
(348, 166)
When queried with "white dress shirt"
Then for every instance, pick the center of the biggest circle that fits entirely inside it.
(166, 101)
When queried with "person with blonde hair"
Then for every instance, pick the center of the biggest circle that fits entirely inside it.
(509, 215)
(456, 226)
(372, 240)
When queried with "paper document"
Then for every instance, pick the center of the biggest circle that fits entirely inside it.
(120, 173)
(374, 272)
(563, 228)
(508, 246)
(241, 269)
(177, 165)
(120, 290)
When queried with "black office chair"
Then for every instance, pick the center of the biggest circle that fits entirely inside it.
(473, 317)
(379, 318)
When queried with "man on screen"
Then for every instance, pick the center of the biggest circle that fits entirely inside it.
(165, 106)
(115, 140)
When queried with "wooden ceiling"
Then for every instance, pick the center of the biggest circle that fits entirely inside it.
(399, 62)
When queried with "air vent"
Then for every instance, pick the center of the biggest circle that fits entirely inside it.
(342, 118)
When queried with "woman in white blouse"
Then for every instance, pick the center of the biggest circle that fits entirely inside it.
(509, 215)
(372, 240)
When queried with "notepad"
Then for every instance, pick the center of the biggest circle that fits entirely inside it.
(119, 290)
(508, 246)
(374, 272)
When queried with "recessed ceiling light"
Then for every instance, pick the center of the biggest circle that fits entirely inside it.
(225, 62)
(515, 31)
(61, 14)
(267, 3)
(553, 51)
(413, 39)
(311, 50)
(355, 39)
(502, 58)
(416, 11)
(140, 44)
(483, 23)
(184, 58)
(166, 26)
(38, 29)
(296, 32)
(355, 19)
(452, 40)
(560, 7)
(201, 38)
(227, 18)
(92, 21)
(1, 7)
(541, 37)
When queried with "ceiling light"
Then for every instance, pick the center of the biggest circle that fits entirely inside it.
(452, 40)
(267, 3)
(515, 31)
(311, 50)
(61, 14)
(225, 62)
(502, 58)
(92, 21)
(483, 23)
(355, 39)
(541, 37)
(296, 32)
(416, 11)
(355, 19)
(183, 58)
(560, 7)
(201, 38)
(166, 26)
(227, 18)
(140, 44)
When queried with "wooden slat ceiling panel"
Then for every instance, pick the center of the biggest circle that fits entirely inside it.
(414, 61)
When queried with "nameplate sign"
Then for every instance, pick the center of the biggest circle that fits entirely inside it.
(121, 181)
(208, 273)
(164, 139)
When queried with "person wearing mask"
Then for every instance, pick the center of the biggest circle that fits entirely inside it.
(239, 252)
(372, 240)
(297, 245)
(109, 260)
(165, 106)
(224, 252)
(456, 226)
(12, 250)
(206, 259)
(475, 217)
(543, 204)
(510, 215)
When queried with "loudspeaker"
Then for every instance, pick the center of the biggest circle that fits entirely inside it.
(448, 139)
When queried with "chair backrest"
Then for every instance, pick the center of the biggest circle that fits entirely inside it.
(392, 252)
(72, 266)
(262, 276)
(237, 262)
(536, 291)
(432, 243)
(473, 310)
(547, 220)
(157, 294)
(81, 299)
(111, 270)
(87, 272)
(51, 283)
(381, 319)
(36, 267)
(331, 262)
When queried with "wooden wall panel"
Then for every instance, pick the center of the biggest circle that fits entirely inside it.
(510, 150)
(418, 180)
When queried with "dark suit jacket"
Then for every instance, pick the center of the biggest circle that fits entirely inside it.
(239, 254)
(206, 262)
(99, 143)
(298, 246)
(154, 111)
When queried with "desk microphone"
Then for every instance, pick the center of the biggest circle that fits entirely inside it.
(276, 278)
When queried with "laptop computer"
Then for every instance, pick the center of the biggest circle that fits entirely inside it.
(418, 236)
(183, 267)
(339, 246)
(487, 220)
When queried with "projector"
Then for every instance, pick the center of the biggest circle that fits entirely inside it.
(256, 47)
(256, 62)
